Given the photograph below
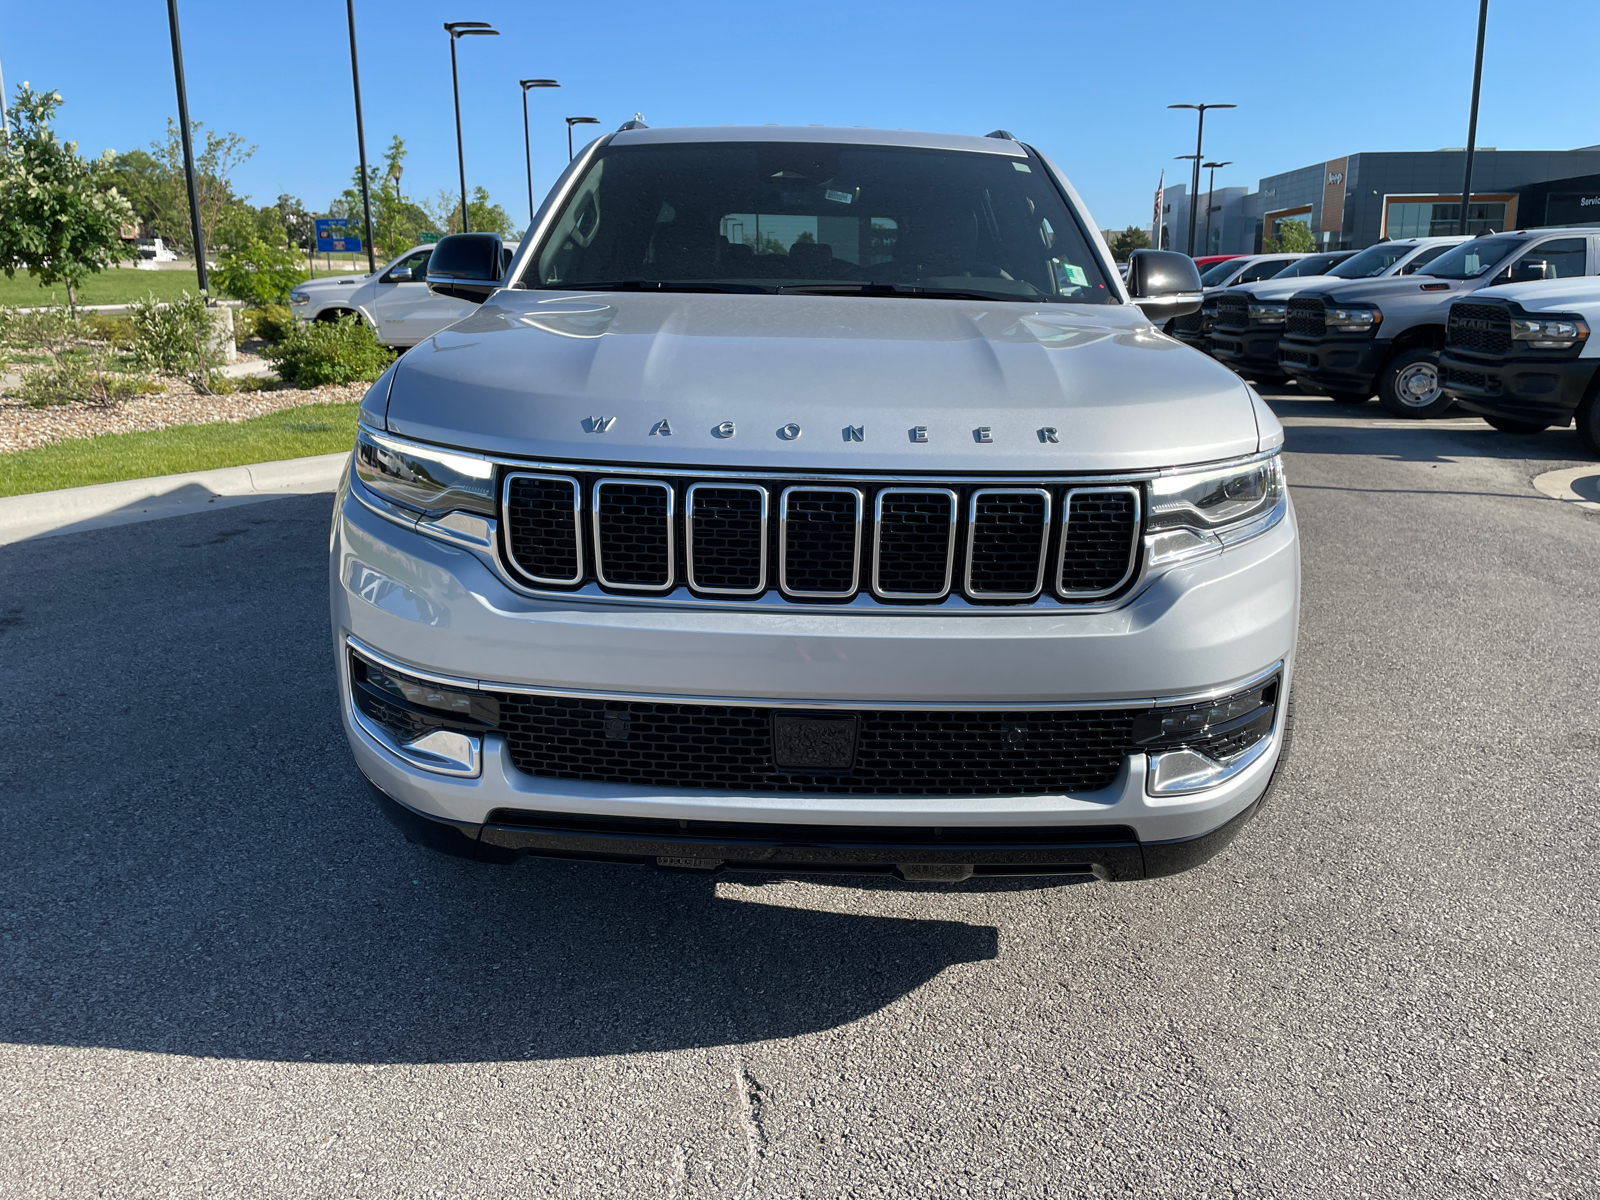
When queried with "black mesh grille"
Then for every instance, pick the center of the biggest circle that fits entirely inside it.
(915, 530)
(1233, 312)
(1188, 323)
(1301, 357)
(1007, 542)
(633, 523)
(1481, 328)
(1475, 380)
(1305, 318)
(897, 753)
(542, 527)
(1097, 549)
(820, 541)
(726, 525)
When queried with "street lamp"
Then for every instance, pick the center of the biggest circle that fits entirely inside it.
(571, 121)
(1199, 153)
(1211, 186)
(527, 146)
(461, 29)
(188, 150)
(361, 137)
(1472, 121)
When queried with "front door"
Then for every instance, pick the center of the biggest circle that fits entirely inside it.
(405, 310)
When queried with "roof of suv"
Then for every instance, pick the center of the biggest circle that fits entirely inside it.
(820, 133)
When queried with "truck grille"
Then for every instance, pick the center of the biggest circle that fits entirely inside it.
(1305, 318)
(1475, 380)
(981, 753)
(1479, 328)
(1233, 312)
(1189, 323)
(810, 542)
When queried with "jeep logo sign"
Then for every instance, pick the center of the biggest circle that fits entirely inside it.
(1335, 177)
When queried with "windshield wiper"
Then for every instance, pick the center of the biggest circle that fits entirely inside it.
(649, 285)
(900, 289)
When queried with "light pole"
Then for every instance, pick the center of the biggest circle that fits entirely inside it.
(1472, 121)
(1193, 199)
(361, 137)
(1199, 153)
(527, 145)
(571, 121)
(1211, 186)
(461, 29)
(188, 150)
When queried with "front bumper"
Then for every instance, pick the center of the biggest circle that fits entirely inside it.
(1334, 364)
(442, 609)
(1523, 389)
(1251, 351)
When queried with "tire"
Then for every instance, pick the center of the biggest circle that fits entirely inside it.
(1588, 421)
(1409, 386)
(1507, 425)
(1351, 398)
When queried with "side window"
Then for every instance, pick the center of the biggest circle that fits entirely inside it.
(416, 263)
(1424, 258)
(1262, 270)
(1566, 257)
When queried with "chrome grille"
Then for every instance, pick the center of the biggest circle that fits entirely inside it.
(1479, 328)
(1305, 318)
(1233, 312)
(897, 541)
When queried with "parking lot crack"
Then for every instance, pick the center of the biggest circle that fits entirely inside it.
(752, 1099)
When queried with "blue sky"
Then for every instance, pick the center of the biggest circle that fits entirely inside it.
(1086, 83)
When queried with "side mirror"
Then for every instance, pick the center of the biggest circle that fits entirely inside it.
(1164, 284)
(466, 266)
(399, 275)
(1530, 269)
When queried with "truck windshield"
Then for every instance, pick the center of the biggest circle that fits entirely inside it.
(1373, 261)
(1471, 259)
(1312, 264)
(820, 218)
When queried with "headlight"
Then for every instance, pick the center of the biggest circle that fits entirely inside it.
(1269, 312)
(299, 298)
(1549, 333)
(1361, 319)
(1195, 512)
(423, 479)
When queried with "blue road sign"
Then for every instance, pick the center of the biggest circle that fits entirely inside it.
(333, 236)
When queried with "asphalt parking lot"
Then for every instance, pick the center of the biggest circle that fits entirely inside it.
(222, 973)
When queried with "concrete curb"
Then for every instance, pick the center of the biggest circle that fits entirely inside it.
(73, 510)
(1579, 486)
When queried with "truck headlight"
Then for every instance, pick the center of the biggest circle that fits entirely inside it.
(1355, 319)
(1549, 333)
(424, 479)
(299, 298)
(1196, 512)
(1269, 312)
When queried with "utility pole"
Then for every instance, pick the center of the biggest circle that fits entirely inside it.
(188, 150)
(1472, 121)
(1199, 153)
(1210, 188)
(361, 137)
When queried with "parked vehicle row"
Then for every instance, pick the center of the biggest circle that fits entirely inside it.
(1193, 329)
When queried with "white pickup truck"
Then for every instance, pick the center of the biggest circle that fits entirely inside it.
(394, 300)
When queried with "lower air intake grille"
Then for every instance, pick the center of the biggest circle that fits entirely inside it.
(897, 753)
(1475, 380)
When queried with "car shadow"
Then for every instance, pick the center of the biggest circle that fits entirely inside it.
(190, 863)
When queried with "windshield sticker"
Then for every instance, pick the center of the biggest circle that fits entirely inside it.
(1023, 167)
(1072, 275)
(839, 197)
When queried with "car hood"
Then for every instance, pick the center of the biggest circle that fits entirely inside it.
(330, 283)
(819, 382)
(1282, 289)
(1423, 287)
(1546, 295)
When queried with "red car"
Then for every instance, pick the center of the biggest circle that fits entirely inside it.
(1205, 260)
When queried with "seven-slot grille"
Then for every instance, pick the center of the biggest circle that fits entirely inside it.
(1233, 312)
(1480, 328)
(1305, 317)
(821, 542)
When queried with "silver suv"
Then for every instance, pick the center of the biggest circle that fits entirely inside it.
(816, 500)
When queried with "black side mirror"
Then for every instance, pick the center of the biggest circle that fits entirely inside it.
(1530, 269)
(466, 266)
(1164, 283)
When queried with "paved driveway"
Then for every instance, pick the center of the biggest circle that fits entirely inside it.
(222, 973)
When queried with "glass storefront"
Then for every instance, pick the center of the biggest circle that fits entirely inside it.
(1409, 218)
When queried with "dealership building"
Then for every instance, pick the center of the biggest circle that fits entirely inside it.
(1353, 201)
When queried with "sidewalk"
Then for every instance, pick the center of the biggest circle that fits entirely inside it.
(73, 510)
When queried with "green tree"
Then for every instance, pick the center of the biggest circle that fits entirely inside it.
(1294, 237)
(1130, 239)
(61, 218)
(397, 223)
(486, 216)
(259, 273)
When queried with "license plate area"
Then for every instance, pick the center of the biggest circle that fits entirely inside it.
(815, 743)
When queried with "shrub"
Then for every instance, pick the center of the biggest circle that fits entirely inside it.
(320, 352)
(270, 323)
(179, 338)
(47, 329)
(117, 332)
(82, 379)
(259, 274)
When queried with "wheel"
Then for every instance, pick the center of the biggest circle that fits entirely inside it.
(1507, 425)
(1588, 421)
(1349, 397)
(1410, 387)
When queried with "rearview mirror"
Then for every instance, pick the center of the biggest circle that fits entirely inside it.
(466, 266)
(1530, 269)
(1164, 284)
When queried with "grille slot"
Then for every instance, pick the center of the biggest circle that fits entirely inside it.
(727, 539)
(1481, 328)
(897, 753)
(1099, 541)
(1007, 529)
(1305, 317)
(1188, 323)
(819, 542)
(1233, 312)
(543, 536)
(1475, 380)
(633, 542)
(915, 543)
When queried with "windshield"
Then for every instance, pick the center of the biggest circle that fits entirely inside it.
(1217, 272)
(1312, 264)
(1471, 259)
(1373, 261)
(770, 216)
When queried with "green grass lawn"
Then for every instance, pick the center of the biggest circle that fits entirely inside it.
(120, 285)
(292, 433)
